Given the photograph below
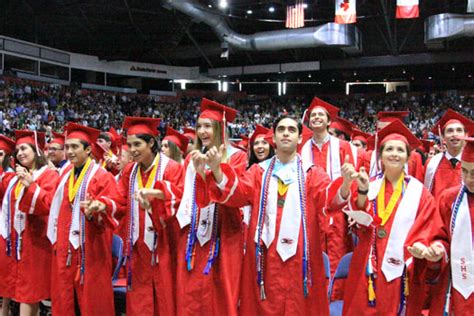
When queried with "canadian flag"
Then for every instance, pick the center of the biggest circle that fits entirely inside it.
(407, 9)
(346, 11)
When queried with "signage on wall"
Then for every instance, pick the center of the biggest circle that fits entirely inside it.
(147, 69)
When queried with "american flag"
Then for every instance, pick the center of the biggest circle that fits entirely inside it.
(295, 15)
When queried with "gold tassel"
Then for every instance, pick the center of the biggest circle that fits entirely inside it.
(407, 290)
(371, 290)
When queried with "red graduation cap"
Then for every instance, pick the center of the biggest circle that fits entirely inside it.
(37, 139)
(141, 125)
(85, 133)
(426, 145)
(124, 145)
(306, 135)
(343, 125)
(190, 133)
(259, 131)
(395, 131)
(7, 145)
(468, 151)
(58, 138)
(243, 143)
(360, 135)
(390, 116)
(451, 117)
(176, 137)
(269, 138)
(216, 111)
(317, 102)
(115, 139)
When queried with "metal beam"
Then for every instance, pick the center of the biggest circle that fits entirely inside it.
(196, 44)
(387, 24)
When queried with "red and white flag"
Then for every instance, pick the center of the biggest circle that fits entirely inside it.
(407, 9)
(346, 11)
(295, 15)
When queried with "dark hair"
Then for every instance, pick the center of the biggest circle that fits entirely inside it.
(282, 117)
(147, 138)
(6, 162)
(339, 133)
(39, 161)
(105, 136)
(253, 158)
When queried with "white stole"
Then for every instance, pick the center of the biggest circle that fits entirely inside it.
(431, 169)
(290, 225)
(206, 214)
(76, 208)
(20, 217)
(393, 259)
(462, 254)
(149, 232)
(333, 159)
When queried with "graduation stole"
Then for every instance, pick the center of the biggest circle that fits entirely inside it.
(260, 243)
(385, 212)
(73, 186)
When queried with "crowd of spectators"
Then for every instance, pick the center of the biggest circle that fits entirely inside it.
(39, 106)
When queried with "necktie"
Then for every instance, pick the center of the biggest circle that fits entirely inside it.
(454, 162)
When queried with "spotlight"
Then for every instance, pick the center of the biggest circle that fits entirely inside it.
(271, 9)
(249, 11)
(223, 4)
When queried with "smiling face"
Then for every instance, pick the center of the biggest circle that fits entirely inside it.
(451, 134)
(394, 155)
(140, 150)
(76, 152)
(318, 119)
(286, 136)
(25, 155)
(261, 148)
(208, 132)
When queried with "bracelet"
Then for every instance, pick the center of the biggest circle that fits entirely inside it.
(362, 192)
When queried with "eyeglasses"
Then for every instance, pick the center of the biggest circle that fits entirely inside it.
(53, 149)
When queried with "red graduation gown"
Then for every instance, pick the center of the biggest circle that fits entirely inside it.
(283, 280)
(217, 292)
(445, 176)
(442, 232)
(336, 240)
(387, 293)
(7, 284)
(31, 275)
(152, 290)
(95, 295)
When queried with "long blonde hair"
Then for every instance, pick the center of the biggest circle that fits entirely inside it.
(216, 139)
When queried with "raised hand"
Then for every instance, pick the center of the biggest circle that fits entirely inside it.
(348, 171)
(214, 157)
(91, 206)
(362, 180)
(199, 161)
(24, 176)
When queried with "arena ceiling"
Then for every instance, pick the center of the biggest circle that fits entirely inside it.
(145, 31)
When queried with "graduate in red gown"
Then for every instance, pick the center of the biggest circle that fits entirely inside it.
(283, 271)
(81, 235)
(452, 245)
(210, 238)
(385, 271)
(27, 194)
(329, 152)
(174, 145)
(7, 149)
(444, 169)
(149, 244)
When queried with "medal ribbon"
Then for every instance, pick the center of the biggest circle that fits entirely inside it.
(385, 212)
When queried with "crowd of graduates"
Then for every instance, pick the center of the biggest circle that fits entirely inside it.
(211, 226)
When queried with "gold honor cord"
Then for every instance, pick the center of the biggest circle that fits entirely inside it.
(74, 186)
(385, 212)
(152, 176)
